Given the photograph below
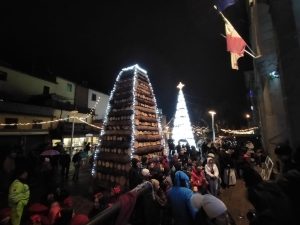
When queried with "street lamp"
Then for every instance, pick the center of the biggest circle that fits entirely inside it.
(213, 113)
(72, 113)
(248, 118)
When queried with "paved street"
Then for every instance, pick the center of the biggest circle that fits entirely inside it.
(235, 199)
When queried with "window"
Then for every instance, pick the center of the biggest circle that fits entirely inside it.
(9, 121)
(94, 97)
(69, 87)
(3, 76)
(46, 90)
(37, 126)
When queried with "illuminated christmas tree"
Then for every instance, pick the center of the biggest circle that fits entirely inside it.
(182, 129)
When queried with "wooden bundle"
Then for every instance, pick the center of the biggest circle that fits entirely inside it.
(131, 127)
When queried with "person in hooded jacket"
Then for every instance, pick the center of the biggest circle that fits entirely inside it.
(18, 197)
(179, 197)
(212, 173)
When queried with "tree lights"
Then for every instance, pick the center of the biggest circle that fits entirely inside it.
(131, 127)
(182, 129)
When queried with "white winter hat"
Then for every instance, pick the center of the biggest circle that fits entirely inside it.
(212, 206)
(211, 155)
(145, 172)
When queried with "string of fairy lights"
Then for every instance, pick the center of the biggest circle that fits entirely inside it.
(92, 110)
(199, 131)
(82, 119)
(240, 132)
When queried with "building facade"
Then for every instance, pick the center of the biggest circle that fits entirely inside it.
(275, 36)
(35, 112)
(22, 87)
(93, 97)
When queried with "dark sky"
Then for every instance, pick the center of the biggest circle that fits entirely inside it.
(174, 40)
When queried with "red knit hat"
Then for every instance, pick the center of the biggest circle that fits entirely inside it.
(35, 218)
(80, 219)
(37, 208)
(68, 202)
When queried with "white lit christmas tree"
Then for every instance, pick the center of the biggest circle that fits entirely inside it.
(182, 129)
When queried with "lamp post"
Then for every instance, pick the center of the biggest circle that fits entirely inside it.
(72, 113)
(248, 118)
(213, 113)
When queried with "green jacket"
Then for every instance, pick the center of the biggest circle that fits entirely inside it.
(18, 193)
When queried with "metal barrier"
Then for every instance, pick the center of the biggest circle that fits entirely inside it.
(106, 214)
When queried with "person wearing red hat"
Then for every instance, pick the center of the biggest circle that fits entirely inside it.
(79, 219)
(36, 219)
(37, 208)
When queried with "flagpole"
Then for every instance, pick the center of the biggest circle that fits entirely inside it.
(228, 22)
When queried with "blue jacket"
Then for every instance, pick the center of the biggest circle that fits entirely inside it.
(180, 200)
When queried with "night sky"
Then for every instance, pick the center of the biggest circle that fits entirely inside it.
(174, 40)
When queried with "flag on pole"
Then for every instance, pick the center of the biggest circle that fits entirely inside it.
(235, 44)
(223, 4)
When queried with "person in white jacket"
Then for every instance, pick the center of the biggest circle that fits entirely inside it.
(212, 176)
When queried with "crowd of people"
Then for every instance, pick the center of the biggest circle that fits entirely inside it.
(186, 186)
(32, 187)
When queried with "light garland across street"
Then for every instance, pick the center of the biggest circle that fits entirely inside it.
(59, 120)
(244, 131)
(81, 119)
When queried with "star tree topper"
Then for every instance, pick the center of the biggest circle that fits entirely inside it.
(180, 86)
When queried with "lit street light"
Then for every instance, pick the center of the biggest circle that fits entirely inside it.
(213, 113)
(248, 118)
